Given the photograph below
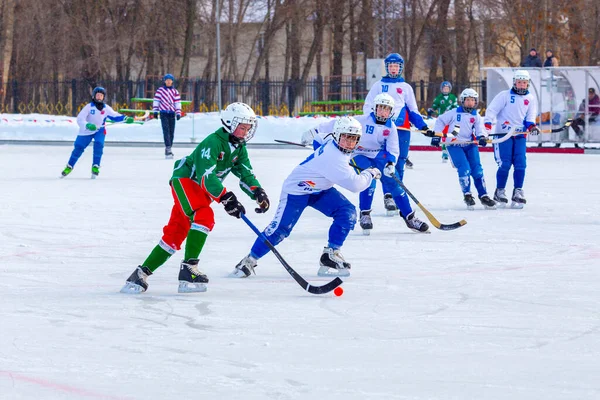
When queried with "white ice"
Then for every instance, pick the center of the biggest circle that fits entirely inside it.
(506, 307)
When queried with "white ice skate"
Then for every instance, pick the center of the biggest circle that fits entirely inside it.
(333, 264)
(518, 199)
(245, 268)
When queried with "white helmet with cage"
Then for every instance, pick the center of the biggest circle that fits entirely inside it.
(469, 93)
(385, 100)
(347, 127)
(235, 114)
(521, 75)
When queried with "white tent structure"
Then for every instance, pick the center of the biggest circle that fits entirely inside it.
(560, 91)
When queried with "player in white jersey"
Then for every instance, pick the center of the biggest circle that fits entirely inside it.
(92, 125)
(406, 111)
(514, 109)
(310, 184)
(464, 125)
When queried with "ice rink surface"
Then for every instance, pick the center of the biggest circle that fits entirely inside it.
(506, 307)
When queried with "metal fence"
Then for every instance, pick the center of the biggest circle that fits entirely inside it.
(267, 97)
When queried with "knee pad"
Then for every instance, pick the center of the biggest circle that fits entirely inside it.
(346, 216)
(204, 216)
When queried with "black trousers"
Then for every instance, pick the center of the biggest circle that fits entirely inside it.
(577, 122)
(167, 120)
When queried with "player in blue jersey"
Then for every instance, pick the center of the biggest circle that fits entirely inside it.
(310, 184)
(464, 125)
(92, 125)
(514, 109)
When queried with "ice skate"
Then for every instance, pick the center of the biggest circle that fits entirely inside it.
(333, 264)
(518, 198)
(500, 198)
(66, 171)
(487, 202)
(245, 268)
(365, 222)
(408, 164)
(168, 153)
(95, 171)
(444, 157)
(469, 201)
(416, 224)
(191, 279)
(136, 283)
(389, 204)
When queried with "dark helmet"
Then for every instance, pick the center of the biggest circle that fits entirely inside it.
(394, 58)
(99, 89)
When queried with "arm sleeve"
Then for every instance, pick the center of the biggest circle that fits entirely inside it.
(82, 116)
(243, 170)
(443, 121)
(205, 162)
(413, 110)
(177, 102)
(157, 98)
(479, 131)
(531, 114)
(454, 103)
(392, 146)
(436, 104)
(344, 176)
(494, 108)
(113, 115)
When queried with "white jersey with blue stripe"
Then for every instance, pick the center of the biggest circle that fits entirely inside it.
(510, 109)
(91, 115)
(375, 137)
(326, 167)
(470, 125)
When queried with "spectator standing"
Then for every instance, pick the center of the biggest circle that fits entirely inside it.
(167, 101)
(551, 60)
(532, 60)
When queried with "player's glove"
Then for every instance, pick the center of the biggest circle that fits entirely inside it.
(308, 137)
(178, 117)
(389, 169)
(534, 130)
(91, 127)
(428, 132)
(482, 140)
(232, 206)
(155, 114)
(129, 120)
(435, 141)
(375, 173)
(262, 200)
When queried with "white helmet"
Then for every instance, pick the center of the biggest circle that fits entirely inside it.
(347, 126)
(383, 99)
(521, 75)
(469, 93)
(235, 114)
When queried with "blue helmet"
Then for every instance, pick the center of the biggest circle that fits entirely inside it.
(169, 76)
(98, 89)
(444, 84)
(394, 58)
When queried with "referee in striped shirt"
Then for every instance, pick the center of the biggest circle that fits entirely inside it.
(167, 101)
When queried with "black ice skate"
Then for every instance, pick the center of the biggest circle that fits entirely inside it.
(190, 278)
(95, 171)
(136, 283)
(408, 164)
(365, 222)
(333, 264)
(469, 201)
(168, 153)
(518, 198)
(244, 268)
(487, 202)
(416, 224)
(389, 204)
(500, 198)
